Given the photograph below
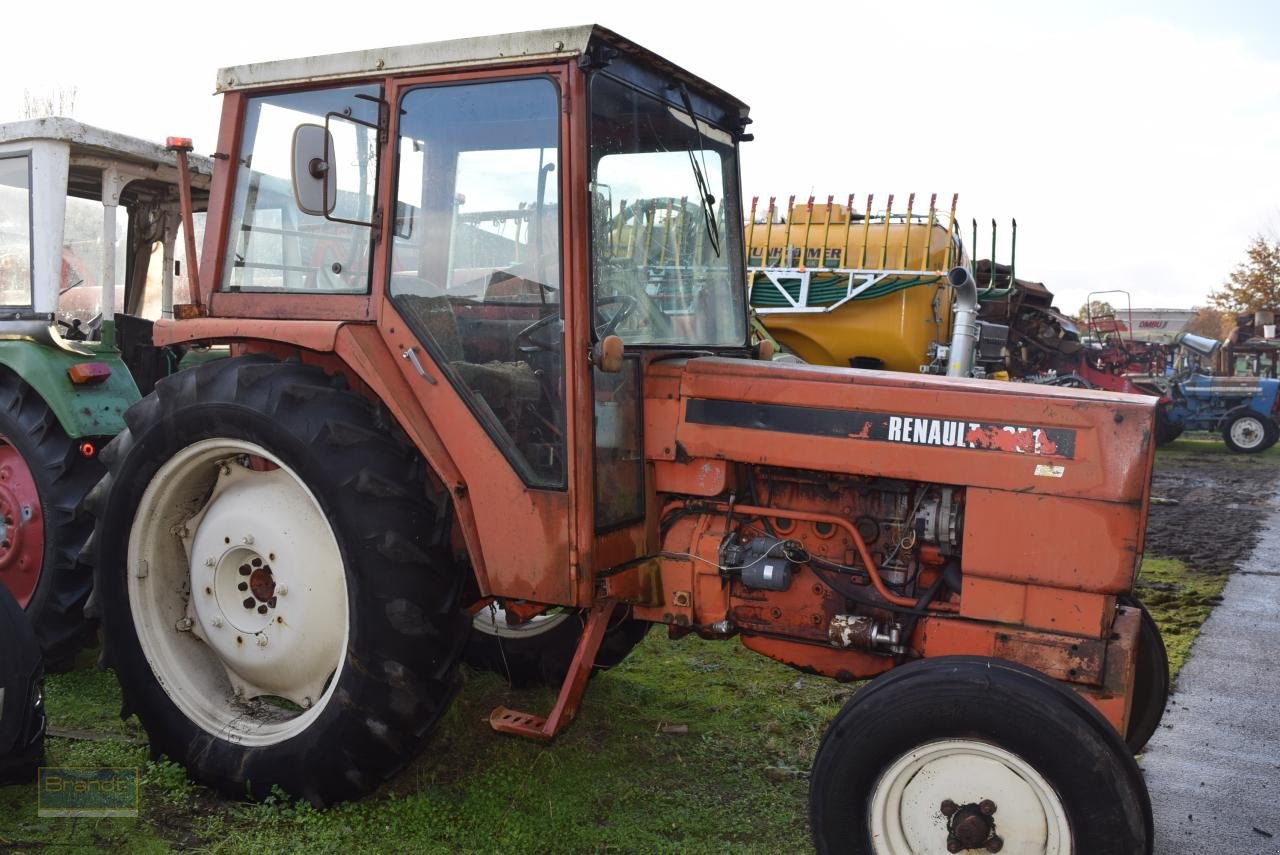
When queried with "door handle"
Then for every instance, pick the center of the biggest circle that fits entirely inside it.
(412, 355)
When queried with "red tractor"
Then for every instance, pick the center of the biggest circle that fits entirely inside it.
(471, 410)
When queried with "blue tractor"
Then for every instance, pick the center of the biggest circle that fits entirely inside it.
(1242, 408)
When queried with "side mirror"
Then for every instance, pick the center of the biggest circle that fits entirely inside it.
(315, 185)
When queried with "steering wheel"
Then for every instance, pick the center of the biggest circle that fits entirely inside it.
(627, 306)
(525, 341)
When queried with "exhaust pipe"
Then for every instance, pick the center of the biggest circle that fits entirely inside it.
(964, 326)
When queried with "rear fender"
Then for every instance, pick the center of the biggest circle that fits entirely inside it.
(95, 409)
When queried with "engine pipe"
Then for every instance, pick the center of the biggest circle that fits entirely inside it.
(964, 325)
(873, 571)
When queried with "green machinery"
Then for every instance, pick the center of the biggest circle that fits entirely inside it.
(82, 211)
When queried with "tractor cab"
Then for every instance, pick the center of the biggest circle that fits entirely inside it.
(90, 221)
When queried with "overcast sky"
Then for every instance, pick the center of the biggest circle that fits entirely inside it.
(1137, 144)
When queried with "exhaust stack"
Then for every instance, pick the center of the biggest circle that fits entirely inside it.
(964, 324)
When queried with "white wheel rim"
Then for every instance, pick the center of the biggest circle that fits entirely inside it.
(226, 656)
(492, 620)
(905, 814)
(1247, 432)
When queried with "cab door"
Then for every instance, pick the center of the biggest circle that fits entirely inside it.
(474, 283)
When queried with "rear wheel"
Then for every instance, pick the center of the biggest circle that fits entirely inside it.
(1249, 432)
(1150, 682)
(537, 652)
(963, 753)
(44, 476)
(276, 597)
(1166, 429)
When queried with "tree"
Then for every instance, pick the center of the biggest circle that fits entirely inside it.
(57, 102)
(1255, 283)
(1093, 309)
(1211, 323)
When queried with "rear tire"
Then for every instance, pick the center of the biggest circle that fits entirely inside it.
(1150, 682)
(341, 658)
(968, 729)
(43, 480)
(1249, 432)
(539, 651)
(1166, 430)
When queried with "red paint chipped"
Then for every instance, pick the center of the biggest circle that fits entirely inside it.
(865, 433)
(1017, 441)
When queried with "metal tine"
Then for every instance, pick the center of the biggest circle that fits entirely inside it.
(928, 239)
(884, 248)
(866, 230)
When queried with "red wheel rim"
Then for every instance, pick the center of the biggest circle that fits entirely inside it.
(21, 526)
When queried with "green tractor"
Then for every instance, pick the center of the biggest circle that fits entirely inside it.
(81, 209)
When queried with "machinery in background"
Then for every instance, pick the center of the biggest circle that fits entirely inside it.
(1243, 409)
(82, 210)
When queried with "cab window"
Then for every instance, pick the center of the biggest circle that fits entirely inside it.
(475, 264)
(274, 245)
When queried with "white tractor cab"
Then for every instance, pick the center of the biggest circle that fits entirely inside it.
(89, 222)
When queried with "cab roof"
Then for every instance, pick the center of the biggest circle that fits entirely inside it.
(553, 44)
(87, 140)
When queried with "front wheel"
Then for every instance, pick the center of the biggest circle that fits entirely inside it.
(1250, 432)
(963, 753)
(275, 596)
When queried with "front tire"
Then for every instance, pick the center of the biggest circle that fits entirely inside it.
(277, 598)
(915, 756)
(44, 476)
(1249, 432)
(1150, 682)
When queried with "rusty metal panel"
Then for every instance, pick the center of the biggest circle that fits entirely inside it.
(698, 477)
(1051, 540)
(988, 599)
(1014, 437)
(313, 335)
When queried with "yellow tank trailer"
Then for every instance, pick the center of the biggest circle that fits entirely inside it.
(868, 289)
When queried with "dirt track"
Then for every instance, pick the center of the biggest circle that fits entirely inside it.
(1222, 501)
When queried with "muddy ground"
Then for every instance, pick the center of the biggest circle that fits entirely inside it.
(1209, 504)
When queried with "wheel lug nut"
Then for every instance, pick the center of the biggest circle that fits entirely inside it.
(954, 844)
(244, 570)
(248, 602)
(262, 609)
(262, 642)
(987, 807)
(948, 807)
(243, 586)
(248, 540)
(994, 844)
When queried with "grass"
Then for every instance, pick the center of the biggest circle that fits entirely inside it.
(617, 781)
(1200, 443)
(1180, 600)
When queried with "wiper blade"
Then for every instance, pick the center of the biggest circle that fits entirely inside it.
(705, 199)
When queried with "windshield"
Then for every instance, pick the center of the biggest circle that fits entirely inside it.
(666, 256)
